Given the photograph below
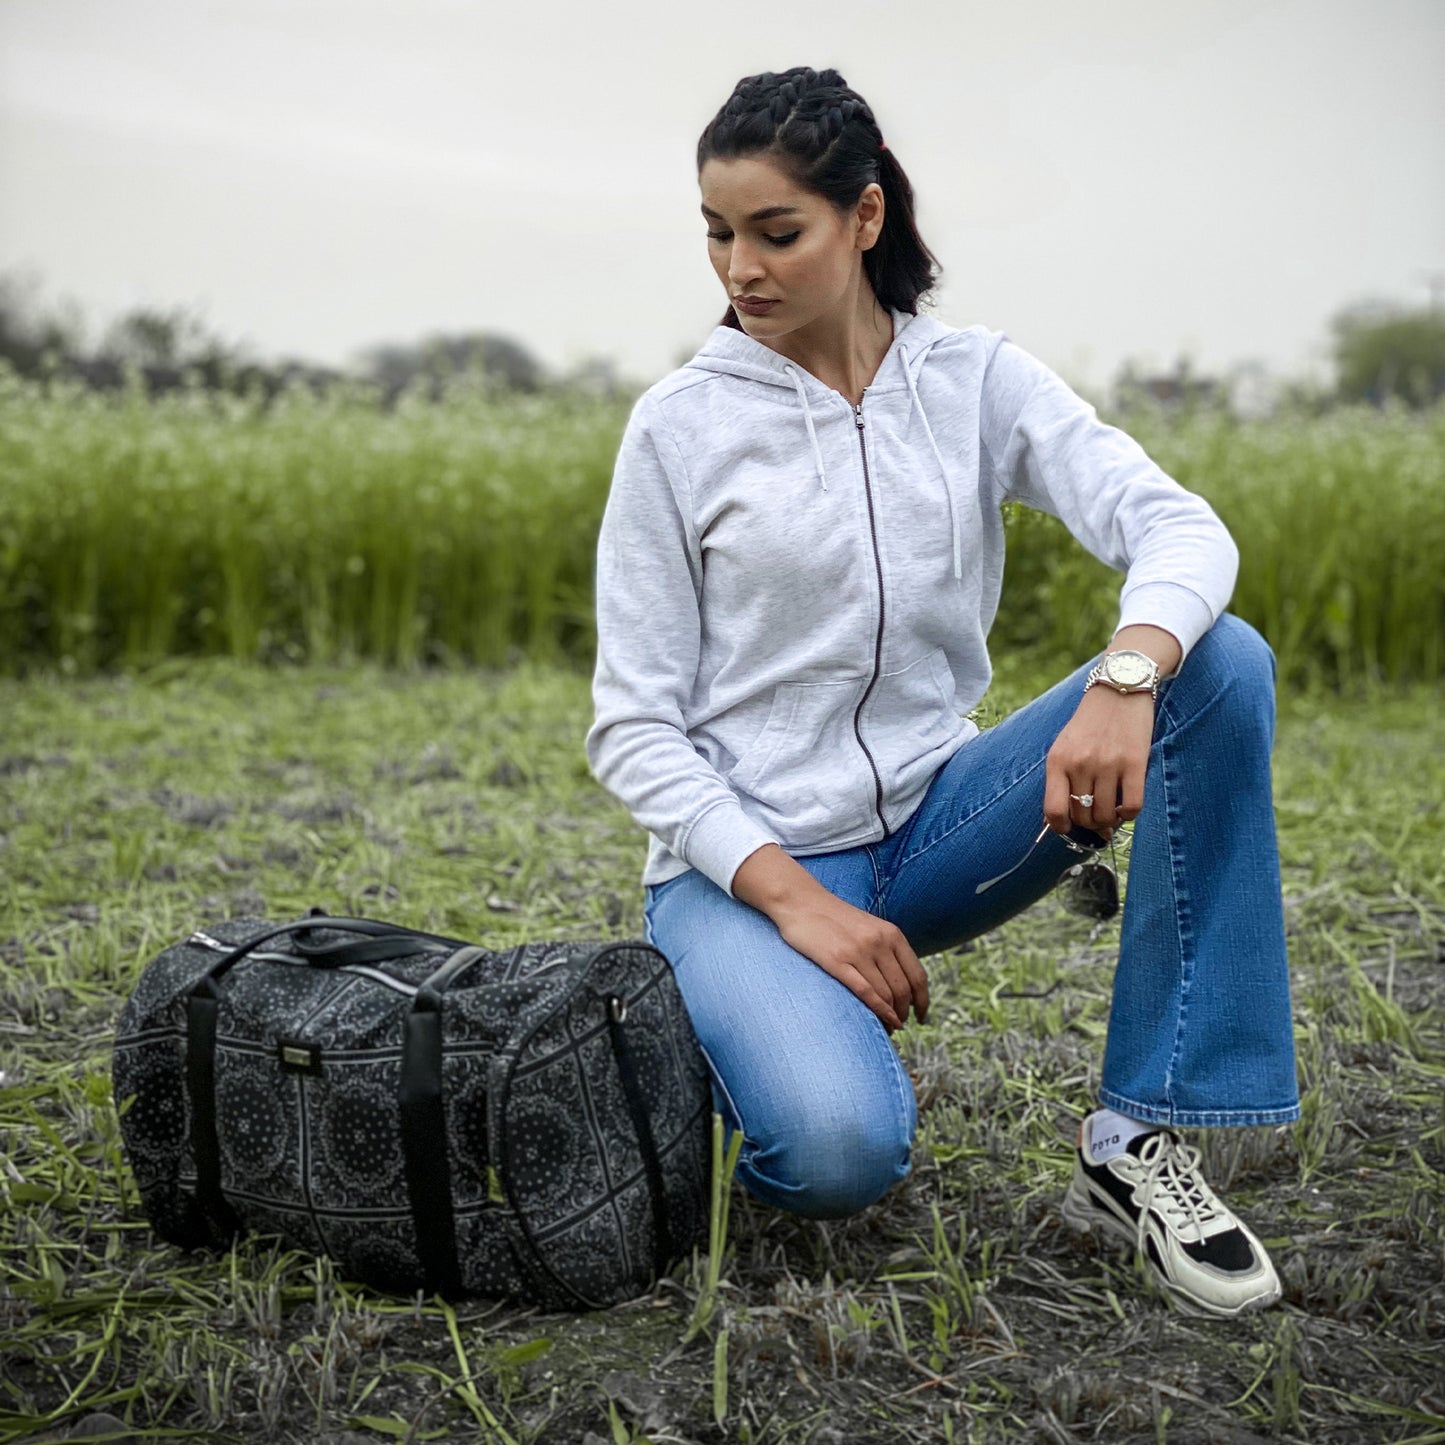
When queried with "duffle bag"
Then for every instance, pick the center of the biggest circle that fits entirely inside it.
(530, 1124)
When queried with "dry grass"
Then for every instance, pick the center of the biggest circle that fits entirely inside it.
(959, 1308)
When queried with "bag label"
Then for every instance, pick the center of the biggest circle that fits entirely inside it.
(297, 1056)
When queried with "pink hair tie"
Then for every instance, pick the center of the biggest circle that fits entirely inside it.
(883, 145)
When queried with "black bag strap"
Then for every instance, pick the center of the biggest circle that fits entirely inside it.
(642, 1123)
(424, 1128)
(201, 1008)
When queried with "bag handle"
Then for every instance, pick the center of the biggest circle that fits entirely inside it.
(424, 1127)
(642, 1123)
(373, 927)
(202, 1009)
(317, 918)
(360, 950)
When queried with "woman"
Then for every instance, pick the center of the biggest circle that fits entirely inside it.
(797, 568)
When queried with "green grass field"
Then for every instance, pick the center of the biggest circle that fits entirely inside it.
(134, 808)
(465, 531)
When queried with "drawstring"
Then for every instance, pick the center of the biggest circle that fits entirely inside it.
(937, 456)
(953, 514)
(808, 418)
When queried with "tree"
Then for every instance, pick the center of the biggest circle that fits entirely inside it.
(1385, 350)
(28, 335)
(438, 357)
(154, 338)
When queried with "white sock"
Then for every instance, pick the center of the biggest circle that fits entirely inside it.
(1109, 1133)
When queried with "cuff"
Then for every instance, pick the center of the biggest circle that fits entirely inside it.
(1178, 610)
(721, 840)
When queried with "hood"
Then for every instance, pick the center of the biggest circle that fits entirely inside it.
(737, 354)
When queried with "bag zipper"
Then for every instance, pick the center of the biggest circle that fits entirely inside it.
(878, 641)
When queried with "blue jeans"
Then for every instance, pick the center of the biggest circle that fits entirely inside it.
(1199, 1028)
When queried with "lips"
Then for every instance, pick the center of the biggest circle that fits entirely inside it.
(754, 305)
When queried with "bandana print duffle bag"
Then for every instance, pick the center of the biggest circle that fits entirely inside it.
(529, 1124)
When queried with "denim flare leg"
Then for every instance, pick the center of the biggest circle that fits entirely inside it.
(1199, 1027)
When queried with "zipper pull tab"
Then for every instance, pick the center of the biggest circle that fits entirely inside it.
(858, 414)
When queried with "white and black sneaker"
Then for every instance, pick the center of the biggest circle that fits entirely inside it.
(1153, 1196)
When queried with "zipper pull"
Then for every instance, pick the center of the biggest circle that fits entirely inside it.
(858, 414)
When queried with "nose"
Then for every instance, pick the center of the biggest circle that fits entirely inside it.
(744, 264)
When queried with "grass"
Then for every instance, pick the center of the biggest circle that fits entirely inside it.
(313, 529)
(135, 807)
(1340, 522)
(464, 532)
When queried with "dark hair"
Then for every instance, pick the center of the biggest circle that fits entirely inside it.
(822, 133)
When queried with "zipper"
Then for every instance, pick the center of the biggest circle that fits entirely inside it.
(878, 642)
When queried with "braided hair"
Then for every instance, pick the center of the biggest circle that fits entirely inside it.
(823, 134)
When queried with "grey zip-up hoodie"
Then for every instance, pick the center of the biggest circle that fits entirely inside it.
(793, 594)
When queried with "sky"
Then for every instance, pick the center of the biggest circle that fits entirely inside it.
(1102, 181)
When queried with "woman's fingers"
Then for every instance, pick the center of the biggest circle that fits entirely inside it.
(917, 979)
(891, 980)
(1102, 754)
(1131, 793)
(868, 955)
(1103, 812)
(896, 974)
(854, 980)
(1058, 806)
(1086, 804)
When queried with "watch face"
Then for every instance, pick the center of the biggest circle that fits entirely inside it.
(1128, 669)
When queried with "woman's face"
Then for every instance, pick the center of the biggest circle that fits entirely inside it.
(770, 239)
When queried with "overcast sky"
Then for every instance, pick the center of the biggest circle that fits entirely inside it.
(1101, 180)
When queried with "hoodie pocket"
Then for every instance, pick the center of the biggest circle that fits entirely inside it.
(805, 768)
(911, 720)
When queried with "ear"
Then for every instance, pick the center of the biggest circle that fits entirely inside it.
(869, 216)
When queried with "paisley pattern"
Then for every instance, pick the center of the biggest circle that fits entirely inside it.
(551, 1198)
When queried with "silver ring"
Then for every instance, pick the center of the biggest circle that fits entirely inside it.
(1086, 799)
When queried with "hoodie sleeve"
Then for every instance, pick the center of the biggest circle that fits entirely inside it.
(649, 581)
(1050, 450)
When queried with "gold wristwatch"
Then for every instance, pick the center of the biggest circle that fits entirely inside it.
(1126, 670)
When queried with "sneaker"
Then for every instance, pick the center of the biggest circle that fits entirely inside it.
(1153, 1196)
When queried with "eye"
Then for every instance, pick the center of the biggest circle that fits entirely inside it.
(774, 240)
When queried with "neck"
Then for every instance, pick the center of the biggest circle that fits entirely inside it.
(845, 348)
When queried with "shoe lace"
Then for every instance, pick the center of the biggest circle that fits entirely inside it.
(1172, 1184)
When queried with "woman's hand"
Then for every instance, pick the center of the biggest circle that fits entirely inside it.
(868, 955)
(1103, 749)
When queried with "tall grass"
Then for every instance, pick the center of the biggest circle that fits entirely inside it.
(320, 529)
(1340, 522)
(329, 529)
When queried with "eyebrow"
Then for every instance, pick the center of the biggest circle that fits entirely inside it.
(766, 214)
